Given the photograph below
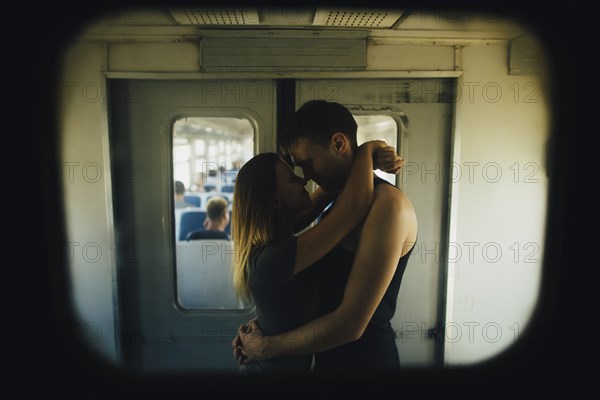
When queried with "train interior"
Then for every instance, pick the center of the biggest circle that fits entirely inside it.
(152, 95)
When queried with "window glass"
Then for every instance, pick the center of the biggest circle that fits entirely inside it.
(207, 153)
(378, 127)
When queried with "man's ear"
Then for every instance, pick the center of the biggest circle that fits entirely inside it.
(339, 143)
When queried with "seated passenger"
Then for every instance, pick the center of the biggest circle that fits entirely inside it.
(217, 219)
(180, 196)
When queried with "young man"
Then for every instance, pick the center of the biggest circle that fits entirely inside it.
(217, 219)
(180, 196)
(359, 279)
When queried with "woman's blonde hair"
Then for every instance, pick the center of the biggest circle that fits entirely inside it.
(252, 217)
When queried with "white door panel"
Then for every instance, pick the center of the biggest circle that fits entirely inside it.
(157, 333)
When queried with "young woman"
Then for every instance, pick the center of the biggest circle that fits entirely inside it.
(271, 261)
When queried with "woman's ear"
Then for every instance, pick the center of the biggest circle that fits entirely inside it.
(277, 203)
(339, 143)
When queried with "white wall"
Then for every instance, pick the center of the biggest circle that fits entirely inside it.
(85, 173)
(499, 209)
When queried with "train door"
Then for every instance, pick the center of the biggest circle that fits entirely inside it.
(415, 115)
(162, 327)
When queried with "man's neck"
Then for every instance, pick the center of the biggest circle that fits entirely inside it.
(215, 226)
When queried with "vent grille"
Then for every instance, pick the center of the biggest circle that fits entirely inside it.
(356, 18)
(216, 16)
(282, 54)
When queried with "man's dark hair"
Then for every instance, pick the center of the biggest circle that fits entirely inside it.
(318, 120)
(179, 187)
(215, 207)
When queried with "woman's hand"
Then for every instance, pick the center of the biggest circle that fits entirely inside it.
(249, 344)
(385, 159)
(384, 156)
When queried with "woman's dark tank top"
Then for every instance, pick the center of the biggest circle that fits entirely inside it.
(377, 346)
(284, 301)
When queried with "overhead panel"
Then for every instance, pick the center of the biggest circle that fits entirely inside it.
(525, 56)
(282, 53)
(358, 18)
(216, 16)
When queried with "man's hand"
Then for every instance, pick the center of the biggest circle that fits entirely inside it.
(249, 343)
(386, 160)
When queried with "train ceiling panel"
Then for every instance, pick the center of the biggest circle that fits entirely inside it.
(216, 16)
(356, 18)
(379, 22)
(322, 17)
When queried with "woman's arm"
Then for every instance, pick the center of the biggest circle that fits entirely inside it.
(350, 208)
(390, 222)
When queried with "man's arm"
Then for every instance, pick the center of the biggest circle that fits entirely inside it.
(383, 240)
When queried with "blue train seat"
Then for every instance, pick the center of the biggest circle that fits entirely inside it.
(191, 220)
